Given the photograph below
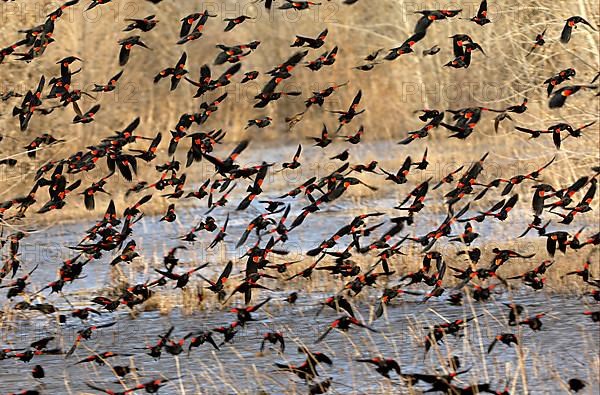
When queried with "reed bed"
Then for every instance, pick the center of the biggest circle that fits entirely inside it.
(500, 79)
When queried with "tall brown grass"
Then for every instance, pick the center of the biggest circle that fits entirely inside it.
(391, 92)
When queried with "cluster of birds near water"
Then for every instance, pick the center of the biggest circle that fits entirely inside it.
(371, 235)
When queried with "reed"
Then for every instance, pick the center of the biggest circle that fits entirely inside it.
(500, 79)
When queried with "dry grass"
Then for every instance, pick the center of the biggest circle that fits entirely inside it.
(407, 84)
(194, 298)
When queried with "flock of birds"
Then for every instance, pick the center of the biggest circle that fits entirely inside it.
(373, 235)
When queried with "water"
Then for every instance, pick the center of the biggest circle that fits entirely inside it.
(566, 344)
(566, 347)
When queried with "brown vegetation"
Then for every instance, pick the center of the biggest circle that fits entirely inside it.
(392, 91)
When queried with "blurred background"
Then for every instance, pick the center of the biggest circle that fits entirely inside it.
(392, 91)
